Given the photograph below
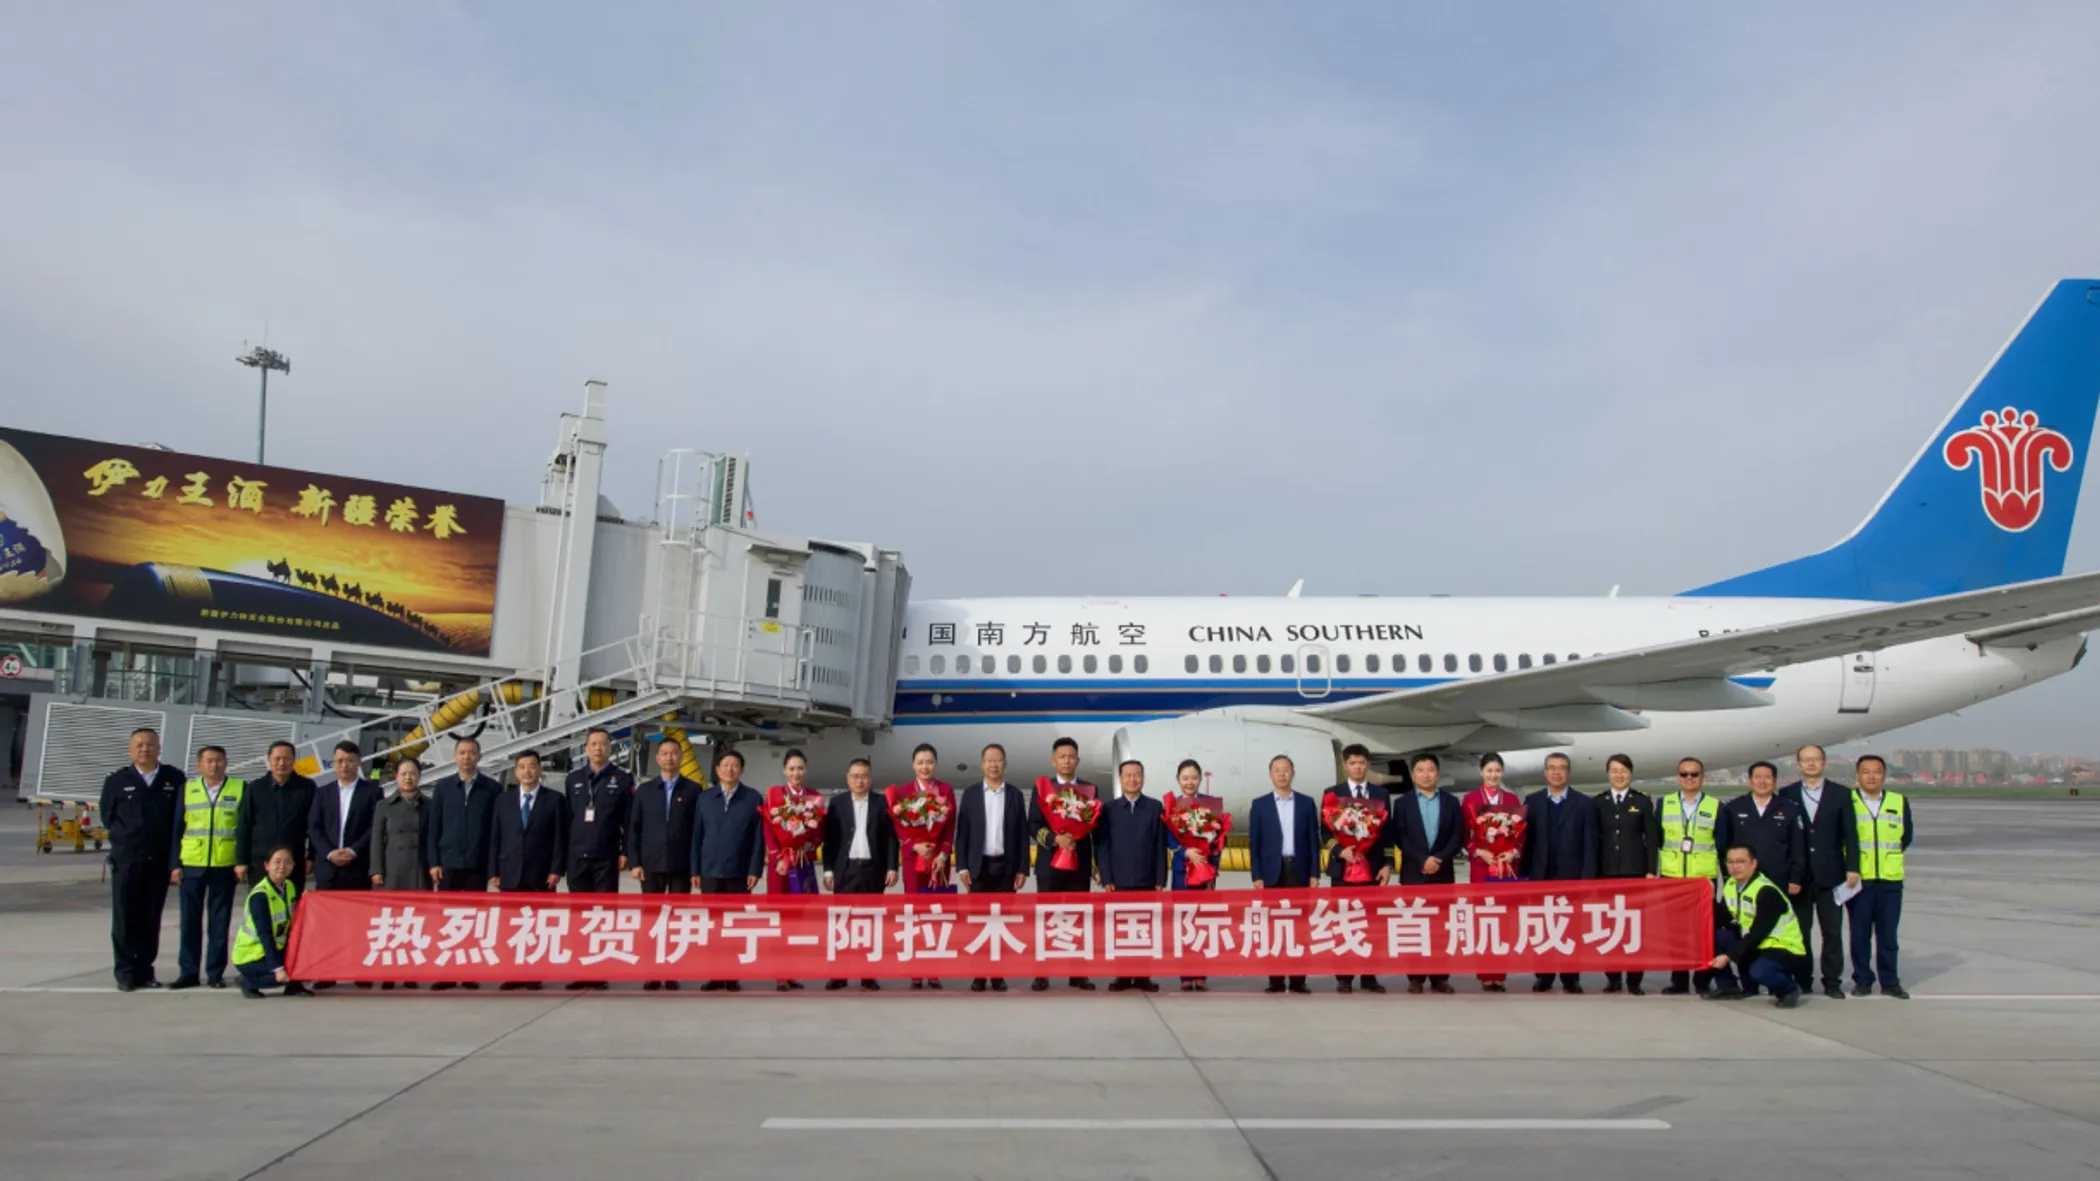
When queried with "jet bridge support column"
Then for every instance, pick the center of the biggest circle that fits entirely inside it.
(571, 486)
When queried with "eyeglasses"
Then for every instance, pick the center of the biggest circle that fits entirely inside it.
(1691, 775)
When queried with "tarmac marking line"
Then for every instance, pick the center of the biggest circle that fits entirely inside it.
(913, 1124)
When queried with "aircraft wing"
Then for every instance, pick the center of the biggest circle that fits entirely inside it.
(1594, 694)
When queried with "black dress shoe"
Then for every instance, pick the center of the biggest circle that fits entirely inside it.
(250, 993)
(711, 986)
(151, 984)
(1273, 987)
(652, 986)
(1725, 994)
(1083, 984)
(1572, 989)
(510, 986)
(734, 986)
(918, 985)
(1147, 984)
(125, 986)
(1862, 990)
(216, 982)
(1039, 985)
(297, 989)
(535, 986)
(1791, 1000)
(1415, 987)
(934, 985)
(1636, 990)
(871, 986)
(1119, 985)
(1542, 986)
(1496, 986)
(571, 986)
(977, 986)
(794, 986)
(387, 987)
(1442, 986)
(834, 985)
(365, 984)
(1371, 984)
(1301, 988)
(998, 986)
(182, 982)
(443, 986)
(670, 986)
(1344, 987)
(1835, 992)
(471, 986)
(782, 986)
(1613, 986)
(1676, 989)
(1896, 991)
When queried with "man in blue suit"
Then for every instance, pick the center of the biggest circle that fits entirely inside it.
(1283, 843)
(1560, 844)
(1430, 829)
(1130, 847)
(729, 840)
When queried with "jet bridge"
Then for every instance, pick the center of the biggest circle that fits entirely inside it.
(692, 626)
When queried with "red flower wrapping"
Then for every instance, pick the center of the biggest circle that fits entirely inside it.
(795, 824)
(1356, 824)
(1070, 810)
(921, 818)
(1200, 827)
(1494, 833)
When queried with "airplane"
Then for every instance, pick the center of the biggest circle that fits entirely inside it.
(1949, 593)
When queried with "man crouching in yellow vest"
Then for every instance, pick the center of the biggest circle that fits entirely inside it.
(1755, 935)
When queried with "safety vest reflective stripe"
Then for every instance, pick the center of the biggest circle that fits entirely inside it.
(1880, 838)
(1701, 861)
(1742, 907)
(247, 942)
(208, 826)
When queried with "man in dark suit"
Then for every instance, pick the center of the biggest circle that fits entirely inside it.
(1560, 844)
(138, 806)
(276, 810)
(1130, 846)
(660, 832)
(1430, 830)
(729, 844)
(1629, 843)
(457, 827)
(1357, 785)
(991, 838)
(339, 830)
(1825, 809)
(1064, 766)
(529, 841)
(1283, 844)
(860, 845)
(1772, 829)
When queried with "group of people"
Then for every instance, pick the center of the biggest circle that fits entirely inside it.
(1783, 860)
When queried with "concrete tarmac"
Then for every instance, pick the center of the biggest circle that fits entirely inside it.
(1993, 1070)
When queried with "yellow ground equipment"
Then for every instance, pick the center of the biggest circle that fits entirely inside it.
(60, 823)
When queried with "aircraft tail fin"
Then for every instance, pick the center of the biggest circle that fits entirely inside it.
(1989, 500)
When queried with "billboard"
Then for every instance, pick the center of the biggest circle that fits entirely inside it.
(149, 536)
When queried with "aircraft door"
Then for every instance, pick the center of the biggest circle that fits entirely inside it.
(1315, 674)
(1856, 695)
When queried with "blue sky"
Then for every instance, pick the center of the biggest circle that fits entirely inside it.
(1094, 298)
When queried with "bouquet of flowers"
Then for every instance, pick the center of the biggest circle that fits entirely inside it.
(1356, 824)
(1071, 810)
(921, 818)
(1498, 837)
(1201, 827)
(796, 823)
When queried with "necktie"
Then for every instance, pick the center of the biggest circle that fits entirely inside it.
(525, 813)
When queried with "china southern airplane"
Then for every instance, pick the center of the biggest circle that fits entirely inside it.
(1951, 592)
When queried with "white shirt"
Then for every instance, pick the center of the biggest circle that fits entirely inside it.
(1811, 797)
(1358, 791)
(1617, 798)
(1760, 807)
(1286, 812)
(995, 820)
(211, 790)
(859, 850)
(1556, 796)
(525, 803)
(343, 792)
(1873, 804)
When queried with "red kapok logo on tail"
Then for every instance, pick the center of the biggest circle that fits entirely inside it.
(2009, 448)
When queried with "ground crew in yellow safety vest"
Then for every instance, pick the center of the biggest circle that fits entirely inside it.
(266, 925)
(1884, 822)
(1757, 940)
(203, 860)
(1688, 819)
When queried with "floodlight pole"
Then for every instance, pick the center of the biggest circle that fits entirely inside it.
(264, 360)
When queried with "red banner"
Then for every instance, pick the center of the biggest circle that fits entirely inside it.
(1614, 925)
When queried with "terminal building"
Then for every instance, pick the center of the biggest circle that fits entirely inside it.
(239, 605)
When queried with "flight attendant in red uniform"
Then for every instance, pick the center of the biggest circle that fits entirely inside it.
(1494, 818)
(795, 767)
(939, 852)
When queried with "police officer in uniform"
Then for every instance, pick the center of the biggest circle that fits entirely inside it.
(138, 808)
(205, 859)
(1688, 821)
(1756, 937)
(599, 796)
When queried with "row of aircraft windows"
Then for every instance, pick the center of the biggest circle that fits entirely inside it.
(988, 665)
(1424, 663)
